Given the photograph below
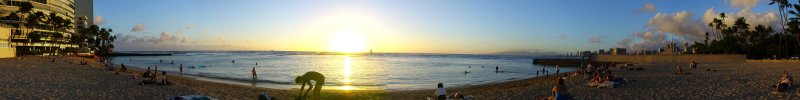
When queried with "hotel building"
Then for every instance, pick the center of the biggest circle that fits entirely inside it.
(17, 37)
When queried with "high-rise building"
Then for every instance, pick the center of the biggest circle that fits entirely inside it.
(19, 37)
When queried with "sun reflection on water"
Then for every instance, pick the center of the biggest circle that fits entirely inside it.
(347, 72)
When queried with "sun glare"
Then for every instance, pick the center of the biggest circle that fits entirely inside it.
(347, 42)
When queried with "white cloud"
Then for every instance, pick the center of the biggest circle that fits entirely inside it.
(596, 39)
(98, 20)
(624, 43)
(166, 36)
(746, 4)
(138, 28)
(649, 7)
(649, 40)
(678, 24)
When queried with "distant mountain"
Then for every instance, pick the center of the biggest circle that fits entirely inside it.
(527, 53)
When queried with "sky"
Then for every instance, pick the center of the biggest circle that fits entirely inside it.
(416, 26)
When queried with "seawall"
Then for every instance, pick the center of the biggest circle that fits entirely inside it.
(676, 58)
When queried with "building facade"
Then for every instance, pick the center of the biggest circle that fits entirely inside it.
(18, 37)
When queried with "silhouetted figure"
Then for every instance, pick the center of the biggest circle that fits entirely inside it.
(496, 68)
(306, 78)
(233, 61)
(180, 68)
(557, 69)
(161, 61)
(254, 73)
(123, 69)
(172, 62)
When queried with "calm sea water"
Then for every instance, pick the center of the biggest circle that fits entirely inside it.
(277, 69)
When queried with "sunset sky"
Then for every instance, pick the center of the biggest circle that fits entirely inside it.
(422, 26)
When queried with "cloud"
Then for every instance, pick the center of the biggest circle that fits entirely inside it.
(649, 7)
(686, 27)
(98, 20)
(678, 24)
(649, 40)
(138, 28)
(166, 36)
(189, 27)
(746, 4)
(624, 43)
(765, 18)
(596, 39)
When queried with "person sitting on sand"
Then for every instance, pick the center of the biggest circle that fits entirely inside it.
(589, 69)
(441, 93)
(693, 65)
(123, 69)
(784, 82)
(678, 70)
(162, 79)
(147, 73)
(558, 93)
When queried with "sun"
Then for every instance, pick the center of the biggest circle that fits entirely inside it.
(348, 42)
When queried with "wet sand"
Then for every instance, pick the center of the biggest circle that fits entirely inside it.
(38, 78)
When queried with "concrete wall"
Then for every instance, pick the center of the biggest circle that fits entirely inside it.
(6, 52)
(700, 58)
(5, 48)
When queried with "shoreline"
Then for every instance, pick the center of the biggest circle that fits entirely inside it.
(38, 78)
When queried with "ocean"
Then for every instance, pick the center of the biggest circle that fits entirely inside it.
(379, 71)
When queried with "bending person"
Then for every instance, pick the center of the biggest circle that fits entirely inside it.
(319, 81)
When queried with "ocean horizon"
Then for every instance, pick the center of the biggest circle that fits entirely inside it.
(376, 71)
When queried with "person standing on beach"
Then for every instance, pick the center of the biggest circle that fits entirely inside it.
(254, 73)
(180, 68)
(557, 69)
(441, 93)
(496, 68)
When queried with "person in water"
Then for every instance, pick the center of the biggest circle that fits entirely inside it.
(557, 69)
(255, 76)
(180, 68)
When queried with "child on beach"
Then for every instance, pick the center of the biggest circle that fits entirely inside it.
(441, 93)
(123, 69)
(678, 70)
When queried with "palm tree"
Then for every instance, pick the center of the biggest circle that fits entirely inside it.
(24, 9)
(782, 5)
(794, 22)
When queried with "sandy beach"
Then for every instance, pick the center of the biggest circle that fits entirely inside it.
(38, 78)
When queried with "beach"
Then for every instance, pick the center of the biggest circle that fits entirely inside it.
(37, 78)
